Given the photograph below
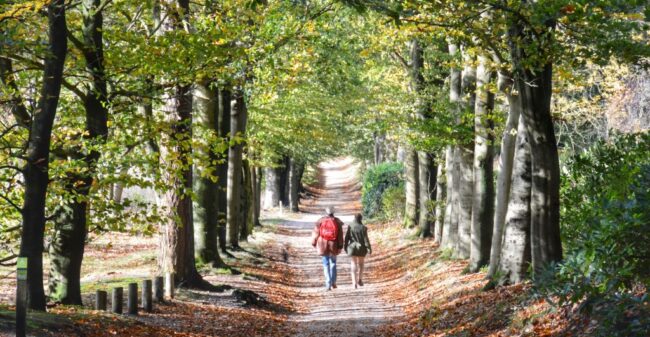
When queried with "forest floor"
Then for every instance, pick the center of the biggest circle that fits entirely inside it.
(275, 286)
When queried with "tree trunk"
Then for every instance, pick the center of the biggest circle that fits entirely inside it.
(441, 186)
(284, 174)
(237, 130)
(206, 188)
(272, 189)
(258, 195)
(483, 202)
(177, 232)
(465, 197)
(67, 248)
(246, 202)
(411, 189)
(535, 85)
(504, 178)
(450, 228)
(427, 172)
(466, 167)
(515, 254)
(294, 184)
(378, 148)
(225, 108)
(36, 168)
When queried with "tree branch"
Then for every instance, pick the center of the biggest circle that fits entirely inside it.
(10, 202)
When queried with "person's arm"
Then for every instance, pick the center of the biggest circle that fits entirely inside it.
(315, 234)
(347, 239)
(365, 235)
(340, 236)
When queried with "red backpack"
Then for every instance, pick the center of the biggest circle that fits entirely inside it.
(328, 229)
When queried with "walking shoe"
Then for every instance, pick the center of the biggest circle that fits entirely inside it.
(360, 283)
(333, 286)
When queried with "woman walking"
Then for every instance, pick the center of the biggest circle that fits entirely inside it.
(357, 246)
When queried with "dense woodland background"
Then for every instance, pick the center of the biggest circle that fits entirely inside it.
(512, 133)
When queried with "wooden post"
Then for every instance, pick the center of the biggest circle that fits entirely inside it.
(21, 297)
(158, 289)
(117, 300)
(169, 285)
(146, 296)
(132, 299)
(100, 300)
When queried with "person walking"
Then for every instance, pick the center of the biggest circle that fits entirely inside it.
(357, 245)
(327, 237)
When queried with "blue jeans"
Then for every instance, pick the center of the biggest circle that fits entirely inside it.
(329, 269)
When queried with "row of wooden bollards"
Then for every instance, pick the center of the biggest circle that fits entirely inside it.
(149, 294)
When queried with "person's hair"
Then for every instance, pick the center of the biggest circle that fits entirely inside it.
(358, 217)
(329, 210)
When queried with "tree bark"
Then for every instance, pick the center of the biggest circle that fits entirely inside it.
(483, 202)
(246, 202)
(441, 186)
(515, 254)
(504, 178)
(272, 188)
(466, 169)
(427, 172)
(177, 233)
(67, 247)
(294, 184)
(225, 108)
(206, 249)
(535, 84)
(411, 189)
(450, 228)
(378, 147)
(36, 168)
(237, 131)
(258, 195)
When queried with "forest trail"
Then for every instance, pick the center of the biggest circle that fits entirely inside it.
(343, 311)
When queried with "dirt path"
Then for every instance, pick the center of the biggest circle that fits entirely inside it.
(344, 311)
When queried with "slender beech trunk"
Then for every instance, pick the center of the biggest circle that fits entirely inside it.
(294, 184)
(68, 241)
(483, 202)
(450, 228)
(258, 195)
(36, 168)
(272, 188)
(237, 131)
(466, 167)
(515, 254)
(427, 171)
(504, 178)
(206, 250)
(378, 148)
(284, 173)
(535, 84)
(441, 186)
(177, 232)
(411, 189)
(246, 202)
(225, 108)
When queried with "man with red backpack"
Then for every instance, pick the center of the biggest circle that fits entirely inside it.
(327, 237)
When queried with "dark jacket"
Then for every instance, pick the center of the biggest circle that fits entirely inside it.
(357, 232)
(324, 247)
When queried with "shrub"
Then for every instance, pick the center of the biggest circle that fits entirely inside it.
(376, 180)
(393, 202)
(606, 230)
